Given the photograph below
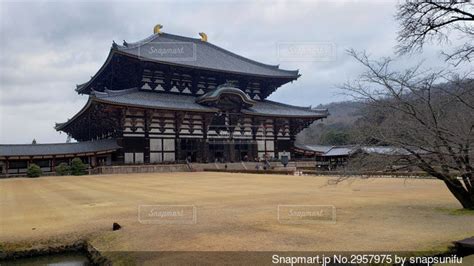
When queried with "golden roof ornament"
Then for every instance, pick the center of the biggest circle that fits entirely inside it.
(203, 36)
(157, 29)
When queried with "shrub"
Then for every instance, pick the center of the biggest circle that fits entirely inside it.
(63, 169)
(78, 167)
(33, 171)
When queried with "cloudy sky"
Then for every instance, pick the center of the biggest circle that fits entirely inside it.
(49, 47)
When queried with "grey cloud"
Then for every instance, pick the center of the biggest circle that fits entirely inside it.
(49, 47)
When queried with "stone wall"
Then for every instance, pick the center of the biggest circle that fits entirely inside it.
(148, 168)
(152, 168)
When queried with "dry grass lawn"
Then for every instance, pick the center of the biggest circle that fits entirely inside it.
(234, 212)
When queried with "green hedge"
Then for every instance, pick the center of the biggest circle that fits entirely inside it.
(34, 171)
(63, 169)
(78, 167)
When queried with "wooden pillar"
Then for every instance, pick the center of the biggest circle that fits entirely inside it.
(177, 148)
(205, 150)
(254, 145)
(179, 117)
(7, 164)
(276, 129)
(206, 122)
(120, 120)
(53, 163)
(293, 131)
(147, 124)
(94, 160)
(231, 150)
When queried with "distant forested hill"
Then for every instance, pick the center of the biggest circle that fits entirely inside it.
(336, 129)
(344, 124)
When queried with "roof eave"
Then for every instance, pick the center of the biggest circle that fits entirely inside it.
(123, 49)
(62, 126)
(81, 88)
(292, 74)
(213, 110)
(315, 116)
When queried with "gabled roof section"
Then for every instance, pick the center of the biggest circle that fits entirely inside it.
(192, 52)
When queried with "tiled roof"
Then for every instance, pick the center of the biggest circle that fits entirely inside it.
(267, 107)
(135, 97)
(348, 150)
(388, 150)
(313, 148)
(58, 148)
(192, 52)
(340, 151)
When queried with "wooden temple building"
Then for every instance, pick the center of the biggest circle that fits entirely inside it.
(15, 158)
(170, 98)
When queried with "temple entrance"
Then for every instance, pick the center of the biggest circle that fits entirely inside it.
(217, 152)
(189, 149)
(242, 150)
(231, 150)
(219, 157)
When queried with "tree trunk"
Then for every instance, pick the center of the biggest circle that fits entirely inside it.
(460, 193)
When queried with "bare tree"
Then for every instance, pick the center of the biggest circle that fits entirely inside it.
(428, 21)
(430, 115)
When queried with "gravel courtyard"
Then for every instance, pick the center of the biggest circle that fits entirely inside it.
(234, 212)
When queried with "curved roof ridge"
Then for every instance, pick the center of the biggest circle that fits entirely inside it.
(248, 59)
(157, 35)
(140, 42)
(154, 37)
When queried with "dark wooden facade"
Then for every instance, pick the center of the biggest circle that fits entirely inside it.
(161, 111)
